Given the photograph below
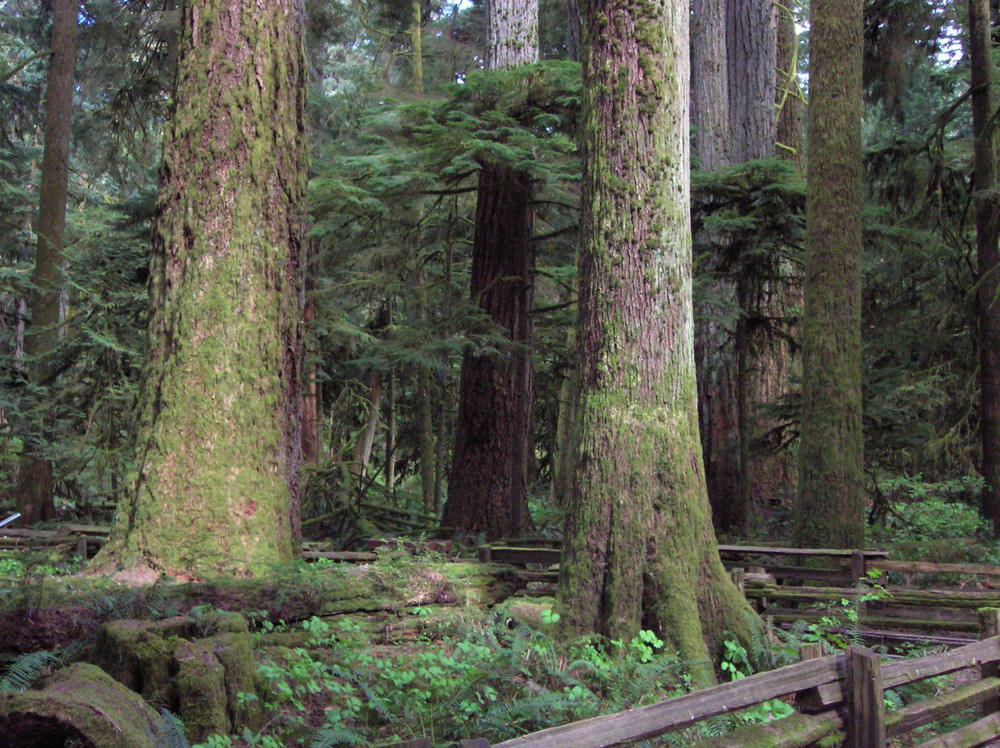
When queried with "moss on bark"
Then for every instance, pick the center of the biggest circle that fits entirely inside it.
(830, 509)
(640, 549)
(216, 484)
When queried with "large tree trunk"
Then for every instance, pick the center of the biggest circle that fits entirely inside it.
(35, 484)
(488, 484)
(487, 488)
(830, 509)
(216, 484)
(987, 279)
(639, 548)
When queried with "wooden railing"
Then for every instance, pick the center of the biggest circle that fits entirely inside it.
(839, 698)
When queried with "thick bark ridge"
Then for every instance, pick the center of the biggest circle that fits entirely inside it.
(216, 484)
(640, 550)
(830, 509)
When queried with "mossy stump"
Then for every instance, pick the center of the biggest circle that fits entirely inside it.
(195, 666)
(78, 705)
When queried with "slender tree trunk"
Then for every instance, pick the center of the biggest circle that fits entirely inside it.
(830, 509)
(217, 466)
(488, 484)
(36, 484)
(417, 45)
(988, 270)
(639, 545)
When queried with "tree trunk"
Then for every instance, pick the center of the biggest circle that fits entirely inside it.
(987, 280)
(217, 468)
(639, 548)
(488, 484)
(751, 56)
(718, 413)
(417, 45)
(710, 84)
(36, 485)
(830, 509)
(487, 489)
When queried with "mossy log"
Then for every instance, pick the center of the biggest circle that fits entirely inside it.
(289, 596)
(194, 666)
(79, 705)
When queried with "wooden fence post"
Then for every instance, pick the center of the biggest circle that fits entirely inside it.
(865, 699)
(989, 626)
(857, 566)
(738, 576)
(811, 651)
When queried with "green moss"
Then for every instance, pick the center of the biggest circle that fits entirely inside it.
(83, 701)
(201, 691)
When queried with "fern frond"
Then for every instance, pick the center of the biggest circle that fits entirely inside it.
(171, 732)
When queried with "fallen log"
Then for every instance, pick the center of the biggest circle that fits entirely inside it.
(78, 705)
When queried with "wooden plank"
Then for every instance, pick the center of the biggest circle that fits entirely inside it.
(773, 551)
(351, 556)
(989, 624)
(924, 712)
(925, 567)
(908, 671)
(795, 573)
(507, 555)
(977, 733)
(655, 719)
(794, 731)
(865, 723)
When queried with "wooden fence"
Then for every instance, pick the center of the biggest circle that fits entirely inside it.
(838, 699)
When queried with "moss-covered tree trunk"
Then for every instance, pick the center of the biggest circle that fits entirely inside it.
(216, 479)
(988, 263)
(830, 508)
(488, 483)
(35, 484)
(639, 548)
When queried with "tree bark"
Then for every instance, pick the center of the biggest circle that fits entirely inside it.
(487, 489)
(988, 262)
(217, 468)
(36, 484)
(639, 549)
(751, 58)
(710, 84)
(488, 484)
(830, 509)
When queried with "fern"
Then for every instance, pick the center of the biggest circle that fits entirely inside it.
(171, 732)
(28, 668)
(332, 735)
